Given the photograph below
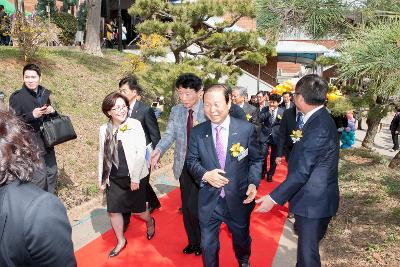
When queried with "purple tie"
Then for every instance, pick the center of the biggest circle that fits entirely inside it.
(219, 147)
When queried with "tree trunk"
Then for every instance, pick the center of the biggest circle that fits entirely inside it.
(395, 162)
(376, 113)
(92, 40)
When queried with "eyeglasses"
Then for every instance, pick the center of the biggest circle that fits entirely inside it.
(119, 108)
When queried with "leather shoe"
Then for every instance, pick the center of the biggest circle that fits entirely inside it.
(151, 208)
(197, 250)
(150, 236)
(189, 249)
(245, 264)
(114, 252)
(269, 178)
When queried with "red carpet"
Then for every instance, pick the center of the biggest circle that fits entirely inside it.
(166, 246)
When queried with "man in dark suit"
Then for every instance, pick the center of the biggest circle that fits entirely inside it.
(292, 120)
(228, 179)
(270, 119)
(286, 103)
(239, 97)
(311, 186)
(138, 110)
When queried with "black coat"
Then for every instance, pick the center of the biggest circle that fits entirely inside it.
(395, 123)
(311, 185)
(147, 118)
(288, 124)
(237, 112)
(23, 102)
(34, 228)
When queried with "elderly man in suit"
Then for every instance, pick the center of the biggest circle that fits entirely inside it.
(270, 119)
(311, 186)
(181, 120)
(239, 97)
(224, 158)
(138, 110)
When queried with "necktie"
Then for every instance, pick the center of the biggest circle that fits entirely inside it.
(300, 121)
(221, 153)
(189, 125)
(273, 115)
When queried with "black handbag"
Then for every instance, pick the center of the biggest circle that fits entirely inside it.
(56, 130)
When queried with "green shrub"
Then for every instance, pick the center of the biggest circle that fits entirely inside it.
(68, 25)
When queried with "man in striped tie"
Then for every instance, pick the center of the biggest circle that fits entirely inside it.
(224, 157)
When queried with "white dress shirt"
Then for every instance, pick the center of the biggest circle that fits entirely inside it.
(131, 108)
(310, 113)
(224, 132)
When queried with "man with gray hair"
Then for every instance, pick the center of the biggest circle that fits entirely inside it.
(239, 97)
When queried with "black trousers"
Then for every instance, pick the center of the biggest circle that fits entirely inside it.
(46, 176)
(310, 232)
(210, 236)
(151, 198)
(189, 197)
(272, 164)
(395, 138)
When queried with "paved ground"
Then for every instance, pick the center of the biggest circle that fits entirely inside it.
(90, 219)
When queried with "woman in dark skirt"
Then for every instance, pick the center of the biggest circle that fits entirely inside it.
(122, 165)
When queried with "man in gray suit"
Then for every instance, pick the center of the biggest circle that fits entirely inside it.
(183, 117)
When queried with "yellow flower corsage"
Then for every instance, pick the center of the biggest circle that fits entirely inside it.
(236, 149)
(296, 135)
(279, 117)
(123, 128)
(248, 117)
(195, 123)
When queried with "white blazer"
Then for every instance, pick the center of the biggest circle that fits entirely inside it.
(134, 143)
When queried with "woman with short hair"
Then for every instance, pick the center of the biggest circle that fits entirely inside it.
(122, 167)
(34, 227)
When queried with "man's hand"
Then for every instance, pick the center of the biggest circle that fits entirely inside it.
(251, 193)
(266, 204)
(49, 110)
(278, 160)
(102, 186)
(39, 112)
(215, 179)
(155, 158)
(134, 186)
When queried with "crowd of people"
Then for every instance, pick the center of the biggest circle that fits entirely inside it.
(221, 146)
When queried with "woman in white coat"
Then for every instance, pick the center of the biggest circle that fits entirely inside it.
(122, 165)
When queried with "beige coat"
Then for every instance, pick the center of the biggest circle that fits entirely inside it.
(134, 144)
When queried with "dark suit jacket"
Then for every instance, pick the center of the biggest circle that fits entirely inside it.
(269, 129)
(147, 118)
(34, 228)
(311, 186)
(288, 124)
(202, 157)
(282, 105)
(237, 112)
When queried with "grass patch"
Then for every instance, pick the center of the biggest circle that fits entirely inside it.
(367, 226)
(79, 83)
